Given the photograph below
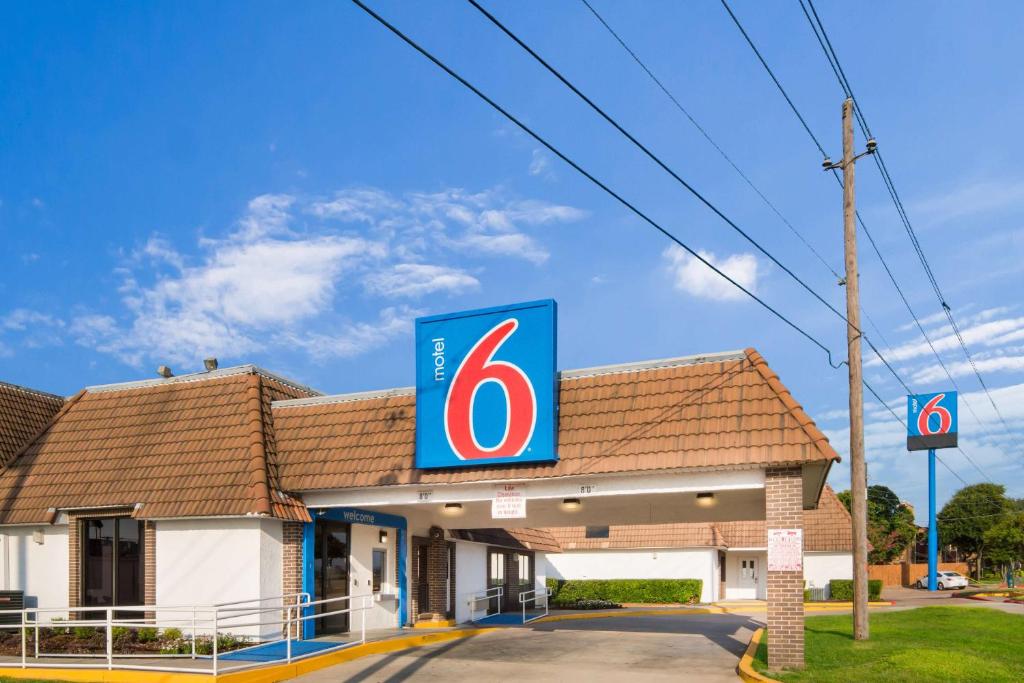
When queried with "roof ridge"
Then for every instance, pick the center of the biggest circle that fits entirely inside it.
(29, 390)
(42, 430)
(639, 366)
(258, 477)
(232, 371)
(817, 437)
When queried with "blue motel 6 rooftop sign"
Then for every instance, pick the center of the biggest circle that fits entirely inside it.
(486, 386)
(931, 421)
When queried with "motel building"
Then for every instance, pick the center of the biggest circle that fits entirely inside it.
(442, 502)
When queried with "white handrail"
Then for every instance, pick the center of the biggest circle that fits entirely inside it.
(493, 593)
(210, 620)
(546, 593)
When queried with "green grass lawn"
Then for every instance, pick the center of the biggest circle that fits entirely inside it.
(926, 644)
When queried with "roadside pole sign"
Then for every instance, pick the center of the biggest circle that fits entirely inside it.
(931, 421)
(932, 424)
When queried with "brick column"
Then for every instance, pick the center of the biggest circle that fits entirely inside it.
(74, 564)
(291, 568)
(784, 510)
(149, 565)
(437, 572)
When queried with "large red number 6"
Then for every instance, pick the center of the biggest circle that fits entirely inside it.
(520, 402)
(933, 408)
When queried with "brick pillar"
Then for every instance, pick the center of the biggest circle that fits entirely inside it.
(291, 568)
(437, 572)
(74, 564)
(149, 565)
(784, 510)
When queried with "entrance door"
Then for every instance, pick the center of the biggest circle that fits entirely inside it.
(747, 580)
(514, 572)
(496, 577)
(330, 573)
(112, 564)
(421, 561)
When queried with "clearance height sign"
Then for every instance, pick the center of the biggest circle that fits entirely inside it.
(485, 386)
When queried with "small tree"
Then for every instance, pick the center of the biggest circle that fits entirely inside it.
(971, 512)
(1005, 539)
(891, 526)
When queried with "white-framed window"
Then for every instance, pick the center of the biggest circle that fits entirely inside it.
(380, 569)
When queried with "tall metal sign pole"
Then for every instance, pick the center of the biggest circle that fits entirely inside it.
(932, 424)
(858, 468)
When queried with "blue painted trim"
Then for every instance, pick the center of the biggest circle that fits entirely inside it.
(933, 532)
(354, 516)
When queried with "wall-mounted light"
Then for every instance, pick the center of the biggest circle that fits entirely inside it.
(571, 504)
(706, 499)
(452, 509)
(383, 536)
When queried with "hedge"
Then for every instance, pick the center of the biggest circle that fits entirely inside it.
(569, 592)
(842, 589)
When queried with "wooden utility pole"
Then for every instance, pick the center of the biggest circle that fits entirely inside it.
(858, 468)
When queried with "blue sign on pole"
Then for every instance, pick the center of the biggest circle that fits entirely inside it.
(932, 424)
(931, 421)
(486, 386)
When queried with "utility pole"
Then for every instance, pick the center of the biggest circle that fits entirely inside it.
(858, 467)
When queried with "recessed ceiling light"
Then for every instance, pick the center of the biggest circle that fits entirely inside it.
(453, 509)
(706, 499)
(571, 504)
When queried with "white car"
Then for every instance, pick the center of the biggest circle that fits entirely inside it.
(945, 580)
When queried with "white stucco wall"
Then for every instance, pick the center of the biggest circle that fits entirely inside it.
(680, 563)
(209, 561)
(820, 568)
(733, 590)
(384, 608)
(470, 577)
(39, 569)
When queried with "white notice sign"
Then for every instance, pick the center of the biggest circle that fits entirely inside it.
(785, 550)
(509, 502)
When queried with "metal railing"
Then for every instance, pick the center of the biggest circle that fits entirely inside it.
(205, 625)
(534, 596)
(495, 593)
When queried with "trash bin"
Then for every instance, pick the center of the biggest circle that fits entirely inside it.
(1009, 579)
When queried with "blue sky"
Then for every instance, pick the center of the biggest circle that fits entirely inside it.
(290, 185)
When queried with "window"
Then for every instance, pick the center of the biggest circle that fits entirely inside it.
(523, 562)
(497, 573)
(112, 566)
(380, 568)
(597, 532)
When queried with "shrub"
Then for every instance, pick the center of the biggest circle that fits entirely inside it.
(571, 592)
(594, 604)
(59, 630)
(169, 634)
(842, 589)
(83, 632)
(120, 633)
(146, 634)
(807, 595)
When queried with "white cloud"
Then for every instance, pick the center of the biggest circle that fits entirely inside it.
(934, 373)
(23, 319)
(277, 279)
(970, 199)
(418, 279)
(695, 278)
(985, 332)
(540, 164)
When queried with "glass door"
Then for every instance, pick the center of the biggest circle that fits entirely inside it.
(330, 574)
(495, 578)
(112, 566)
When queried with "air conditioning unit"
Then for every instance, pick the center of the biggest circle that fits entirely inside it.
(11, 602)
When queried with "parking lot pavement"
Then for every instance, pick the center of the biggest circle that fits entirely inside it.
(662, 648)
(909, 598)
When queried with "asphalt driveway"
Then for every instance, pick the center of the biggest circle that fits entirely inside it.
(657, 648)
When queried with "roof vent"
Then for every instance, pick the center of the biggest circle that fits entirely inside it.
(164, 372)
(210, 364)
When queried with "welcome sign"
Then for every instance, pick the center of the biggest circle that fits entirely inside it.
(485, 386)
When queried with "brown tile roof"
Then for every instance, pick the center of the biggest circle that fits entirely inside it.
(541, 540)
(826, 528)
(23, 414)
(197, 445)
(707, 413)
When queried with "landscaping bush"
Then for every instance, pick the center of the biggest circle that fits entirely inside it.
(147, 635)
(171, 634)
(594, 604)
(83, 632)
(842, 589)
(570, 592)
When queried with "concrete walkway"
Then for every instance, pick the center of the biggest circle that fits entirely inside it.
(910, 598)
(699, 647)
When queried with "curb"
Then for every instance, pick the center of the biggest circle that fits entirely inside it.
(745, 669)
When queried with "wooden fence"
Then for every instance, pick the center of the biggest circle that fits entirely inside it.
(907, 574)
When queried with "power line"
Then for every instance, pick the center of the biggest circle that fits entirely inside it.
(651, 155)
(707, 136)
(844, 83)
(899, 290)
(619, 198)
